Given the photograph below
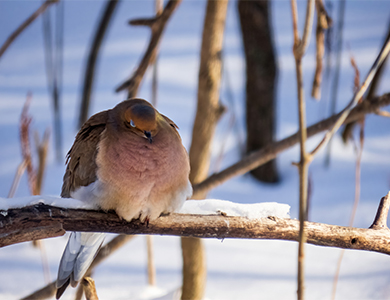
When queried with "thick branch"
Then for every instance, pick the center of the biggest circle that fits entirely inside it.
(40, 218)
(25, 24)
(157, 26)
(269, 152)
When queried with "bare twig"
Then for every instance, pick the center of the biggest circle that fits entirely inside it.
(269, 152)
(92, 59)
(323, 22)
(370, 94)
(380, 221)
(383, 113)
(151, 265)
(159, 9)
(25, 24)
(157, 26)
(358, 95)
(299, 50)
(89, 289)
(39, 218)
(335, 82)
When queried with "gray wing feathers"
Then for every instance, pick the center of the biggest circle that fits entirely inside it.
(78, 256)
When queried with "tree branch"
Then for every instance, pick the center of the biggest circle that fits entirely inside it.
(157, 26)
(257, 158)
(24, 224)
(25, 24)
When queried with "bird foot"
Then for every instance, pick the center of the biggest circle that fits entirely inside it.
(146, 222)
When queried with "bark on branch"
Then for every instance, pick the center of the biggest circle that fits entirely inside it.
(42, 221)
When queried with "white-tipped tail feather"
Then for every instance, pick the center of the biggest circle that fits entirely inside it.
(78, 256)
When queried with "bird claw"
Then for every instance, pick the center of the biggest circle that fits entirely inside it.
(146, 222)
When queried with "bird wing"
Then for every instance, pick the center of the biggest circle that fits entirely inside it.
(81, 158)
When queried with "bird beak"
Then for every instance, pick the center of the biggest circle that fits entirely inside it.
(148, 135)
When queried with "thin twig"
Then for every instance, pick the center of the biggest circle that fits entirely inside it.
(25, 24)
(378, 62)
(151, 266)
(89, 74)
(157, 26)
(299, 50)
(383, 113)
(372, 91)
(259, 157)
(323, 22)
(159, 9)
(335, 82)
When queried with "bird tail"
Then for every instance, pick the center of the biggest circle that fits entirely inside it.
(79, 253)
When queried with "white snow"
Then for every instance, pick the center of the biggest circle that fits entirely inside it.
(228, 208)
(237, 269)
(8, 203)
(195, 207)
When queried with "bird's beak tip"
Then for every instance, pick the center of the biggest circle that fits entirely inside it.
(148, 135)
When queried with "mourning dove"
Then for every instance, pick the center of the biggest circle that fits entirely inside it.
(129, 159)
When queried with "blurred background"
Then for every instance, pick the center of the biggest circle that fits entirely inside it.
(49, 58)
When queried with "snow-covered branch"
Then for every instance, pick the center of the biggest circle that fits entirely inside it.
(42, 221)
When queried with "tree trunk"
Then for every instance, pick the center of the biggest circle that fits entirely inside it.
(208, 112)
(260, 81)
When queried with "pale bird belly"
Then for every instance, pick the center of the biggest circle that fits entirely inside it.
(139, 183)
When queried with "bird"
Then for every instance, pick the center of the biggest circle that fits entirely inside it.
(129, 159)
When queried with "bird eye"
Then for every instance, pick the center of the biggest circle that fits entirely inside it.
(132, 123)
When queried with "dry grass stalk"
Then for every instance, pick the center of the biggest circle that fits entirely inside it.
(18, 174)
(25, 121)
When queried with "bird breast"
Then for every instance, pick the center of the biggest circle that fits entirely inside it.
(141, 179)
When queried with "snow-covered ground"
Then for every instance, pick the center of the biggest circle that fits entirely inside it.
(237, 269)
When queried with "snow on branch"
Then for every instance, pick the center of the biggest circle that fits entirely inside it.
(41, 220)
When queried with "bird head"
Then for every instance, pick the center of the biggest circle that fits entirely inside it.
(141, 118)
